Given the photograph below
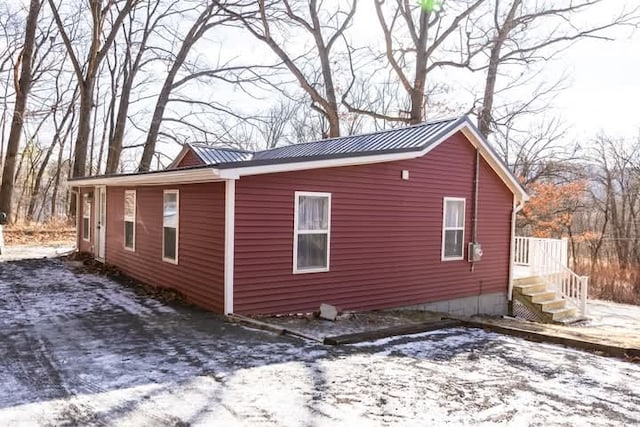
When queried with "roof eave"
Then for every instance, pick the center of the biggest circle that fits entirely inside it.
(165, 177)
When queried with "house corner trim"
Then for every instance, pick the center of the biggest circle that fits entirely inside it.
(229, 243)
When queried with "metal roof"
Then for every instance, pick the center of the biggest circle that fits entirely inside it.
(216, 155)
(391, 140)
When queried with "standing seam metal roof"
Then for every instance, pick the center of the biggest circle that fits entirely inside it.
(391, 140)
(213, 156)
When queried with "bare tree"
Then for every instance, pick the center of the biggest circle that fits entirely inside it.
(325, 28)
(428, 33)
(526, 33)
(22, 84)
(211, 16)
(136, 37)
(619, 173)
(102, 38)
(59, 125)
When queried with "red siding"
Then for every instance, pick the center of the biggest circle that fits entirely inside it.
(83, 245)
(189, 159)
(199, 274)
(386, 235)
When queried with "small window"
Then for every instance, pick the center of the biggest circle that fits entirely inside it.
(130, 220)
(86, 217)
(170, 221)
(311, 232)
(453, 229)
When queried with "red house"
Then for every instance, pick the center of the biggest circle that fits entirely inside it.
(415, 217)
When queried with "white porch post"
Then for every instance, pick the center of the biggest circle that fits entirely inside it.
(229, 243)
(564, 254)
(512, 250)
(584, 290)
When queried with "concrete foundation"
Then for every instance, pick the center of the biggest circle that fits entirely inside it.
(491, 304)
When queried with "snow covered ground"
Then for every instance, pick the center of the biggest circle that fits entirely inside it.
(614, 318)
(83, 350)
(18, 252)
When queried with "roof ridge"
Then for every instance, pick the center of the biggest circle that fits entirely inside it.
(358, 135)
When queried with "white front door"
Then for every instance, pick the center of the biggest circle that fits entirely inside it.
(101, 222)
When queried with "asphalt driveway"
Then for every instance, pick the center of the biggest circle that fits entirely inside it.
(80, 349)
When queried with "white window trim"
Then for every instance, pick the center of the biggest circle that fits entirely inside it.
(177, 193)
(86, 215)
(297, 195)
(133, 220)
(444, 228)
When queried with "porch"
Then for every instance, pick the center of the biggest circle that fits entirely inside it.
(544, 284)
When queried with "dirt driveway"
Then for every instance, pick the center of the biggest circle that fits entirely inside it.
(83, 350)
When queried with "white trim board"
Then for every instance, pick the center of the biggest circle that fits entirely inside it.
(130, 219)
(296, 232)
(444, 228)
(177, 193)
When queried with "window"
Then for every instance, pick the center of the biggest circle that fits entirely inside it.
(170, 221)
(130, 219)
(453, 229)
(86, 217)
(312, 224)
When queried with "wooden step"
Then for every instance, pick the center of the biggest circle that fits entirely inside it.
(534, 293)
(553, 304)
(558, 314)
(542, 296)
(529, 289)
(529, 280)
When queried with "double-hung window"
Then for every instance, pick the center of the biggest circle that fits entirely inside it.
(312, 230)
(453, 229)
(86, 217)
(170, 223)
(130, 220)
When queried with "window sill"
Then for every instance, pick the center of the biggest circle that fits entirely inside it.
(170, 261)
(129, 249)
(310, 270)
(452, 259)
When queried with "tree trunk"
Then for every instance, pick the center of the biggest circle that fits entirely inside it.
(156, 121)
(23, 85)
(484, 116)
(84, 130)
(115, 145)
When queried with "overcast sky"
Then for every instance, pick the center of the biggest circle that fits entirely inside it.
(605, 86)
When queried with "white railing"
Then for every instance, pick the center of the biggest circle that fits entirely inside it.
(548, 258)
(531, 251)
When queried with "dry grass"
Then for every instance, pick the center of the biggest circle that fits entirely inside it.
(609, 282)
(54, 232)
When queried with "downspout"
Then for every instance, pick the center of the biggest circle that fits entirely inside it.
(474, 220)
(229, 243)
(517, 207)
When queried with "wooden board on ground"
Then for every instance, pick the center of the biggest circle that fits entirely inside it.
(389, 332)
